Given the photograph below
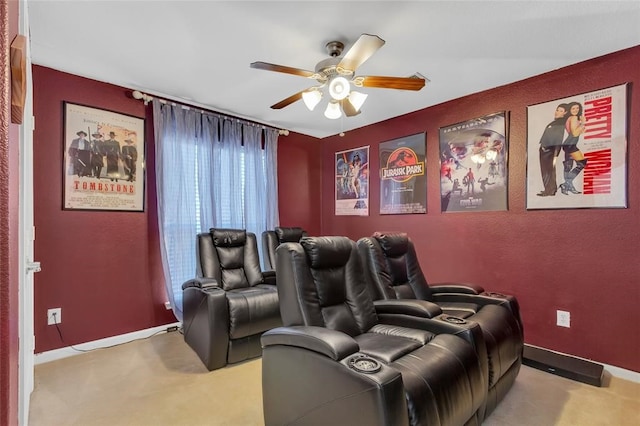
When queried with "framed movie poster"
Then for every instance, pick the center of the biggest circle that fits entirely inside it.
(473, 164)
(103, 160)
(577, 151)
(352, 182)
(403, 182)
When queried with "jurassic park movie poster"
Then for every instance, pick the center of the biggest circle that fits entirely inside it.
(403, 181)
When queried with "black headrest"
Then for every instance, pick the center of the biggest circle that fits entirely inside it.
(289, 235)
(327, 252)
(228, 237)
(393, 243)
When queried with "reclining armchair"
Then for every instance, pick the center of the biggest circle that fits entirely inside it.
(393, 272)
(231, 302)
(335, 361)
(272, 239)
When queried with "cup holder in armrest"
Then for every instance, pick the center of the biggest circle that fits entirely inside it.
(494, 294)
(364, 364)
(453, 320)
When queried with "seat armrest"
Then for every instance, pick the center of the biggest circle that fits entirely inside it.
(331, 343)
(505, 300)
(269, 277)
(478, 299)
(200, 282)
(442, 324)
(413, 307)
(456, 288)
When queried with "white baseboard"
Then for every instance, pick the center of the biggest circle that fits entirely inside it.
(632, 376)
(102, 343)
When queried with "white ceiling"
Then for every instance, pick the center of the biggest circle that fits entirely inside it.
(199, 52)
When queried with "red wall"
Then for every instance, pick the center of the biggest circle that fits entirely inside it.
(299, 182)
(103, 268)
(582, 261)
(9, 226)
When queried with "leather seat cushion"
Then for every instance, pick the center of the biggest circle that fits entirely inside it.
(443, 382)
(404, 291)
(390, 342)
(252, 310)
(393, 244)
(286, 235)
(228, 237)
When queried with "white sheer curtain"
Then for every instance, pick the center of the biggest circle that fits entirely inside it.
(211, 172)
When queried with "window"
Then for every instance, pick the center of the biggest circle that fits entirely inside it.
(211, 172)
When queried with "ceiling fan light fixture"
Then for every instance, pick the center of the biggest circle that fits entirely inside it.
(333, 110)
(330, 73)
(339, 88)
(311, 98)
(357, 99)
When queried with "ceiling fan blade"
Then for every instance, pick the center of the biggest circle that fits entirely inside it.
(348, 108)
(381, 82)
(288, 101)
(362, 50)
(281, 68)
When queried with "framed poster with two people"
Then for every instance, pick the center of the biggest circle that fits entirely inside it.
(577, 151)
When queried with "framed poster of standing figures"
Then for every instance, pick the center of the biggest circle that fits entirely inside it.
(103, 160)
(577, 151)
(473, 164)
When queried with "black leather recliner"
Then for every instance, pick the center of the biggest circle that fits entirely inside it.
(336, 361)
(272, 239)
(393, 272)
(231, 302)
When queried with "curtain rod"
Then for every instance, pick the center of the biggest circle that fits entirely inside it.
(148, 98)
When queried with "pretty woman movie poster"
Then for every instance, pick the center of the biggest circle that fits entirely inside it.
(352, 182)
(473, 165)
(577, 151)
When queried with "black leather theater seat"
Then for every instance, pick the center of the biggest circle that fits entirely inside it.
(393, 272)
(272, 239)
(231, 302)
(337, 362)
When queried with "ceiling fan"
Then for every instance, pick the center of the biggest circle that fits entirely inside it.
(338, 74)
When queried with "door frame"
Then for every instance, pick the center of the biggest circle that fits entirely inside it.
(27, 266)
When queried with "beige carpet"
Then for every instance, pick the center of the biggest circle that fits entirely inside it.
(160, 381)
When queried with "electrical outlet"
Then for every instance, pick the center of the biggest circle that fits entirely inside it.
(563, 319)
(54, 316)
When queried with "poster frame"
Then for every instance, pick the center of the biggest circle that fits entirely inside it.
(480, 144)
(120, 165)
(595, 186)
